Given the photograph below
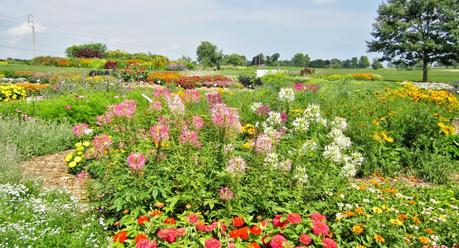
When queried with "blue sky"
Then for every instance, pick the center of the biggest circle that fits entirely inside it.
(320, 28)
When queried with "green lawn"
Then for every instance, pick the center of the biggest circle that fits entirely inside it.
(39, 68)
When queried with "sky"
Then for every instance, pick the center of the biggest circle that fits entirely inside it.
(321, 28)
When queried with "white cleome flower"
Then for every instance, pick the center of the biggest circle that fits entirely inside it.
(287, 95)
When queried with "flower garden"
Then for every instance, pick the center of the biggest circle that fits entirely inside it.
(208, 160)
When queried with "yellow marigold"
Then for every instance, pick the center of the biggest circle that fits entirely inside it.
(377, 210)
(349, 213)
(72, 164)
(379, 239)
(396, 222)
(69, 157)
(358, 229)
(429, 231)
(402, 217)
(424, 240)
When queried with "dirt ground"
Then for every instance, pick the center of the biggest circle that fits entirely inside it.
(51, 171)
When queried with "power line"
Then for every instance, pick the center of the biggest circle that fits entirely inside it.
(29, 49)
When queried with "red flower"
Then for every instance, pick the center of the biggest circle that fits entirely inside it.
(120, 237)
(320, 228)
(277, 241)
(192, 218)
(255, 230)
(140, 237)
(238, 221)
(171, 234)
(155, 213)
(244, 233)
(213, 243)
(170, 220)
(206, 228)
(146, 244)
(253, 245)
(329, 243)
(234, 234)
(294, 218)
(318, 217)
(277, 221)
(142, 219)
(305, 239)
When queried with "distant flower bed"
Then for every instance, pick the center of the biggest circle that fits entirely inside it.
(12, 92)
(358, 76)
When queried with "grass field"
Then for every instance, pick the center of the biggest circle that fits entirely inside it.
(435, 75)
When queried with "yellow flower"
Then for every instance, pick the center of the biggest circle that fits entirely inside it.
(80, 153)
(86, 143)
(379, 239)
(248, 145)
(77, 159)
(424, 240)
(72, 164)
(377, 210)
(249, 129)
(68, 158)
(446, 129)
(396, 222)
(358, 229)
(360, 246)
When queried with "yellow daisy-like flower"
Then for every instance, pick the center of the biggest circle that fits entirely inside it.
(248, 145)
(377, 210)
(69, 157)
(424, 240)
(358, 229)
(77, 159)
(86, 143)
(79, 153)
(249, 129)
(396, 222)
(446, 129)
(379, 239)
(72, 164)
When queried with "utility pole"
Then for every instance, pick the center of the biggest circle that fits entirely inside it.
(31, 24)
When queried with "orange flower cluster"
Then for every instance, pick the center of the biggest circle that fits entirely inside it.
(166, 76)
(366, 77)
(33, 88)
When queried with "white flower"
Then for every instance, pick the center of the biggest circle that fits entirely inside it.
(274, 119)
(339, 123)
(285, 165)
(300, 175)
(333, 153)
(255, 106)
(308, 146)
(287, 95)
(300, 124)
(272, 160)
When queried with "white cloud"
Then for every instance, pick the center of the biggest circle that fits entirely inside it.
(25, 29)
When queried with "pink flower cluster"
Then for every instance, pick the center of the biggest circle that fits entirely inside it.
(226, 194)
(191, 95)
(161, 91)
(159, 132)
(263, 110)
(264, 144)
(101, 144)
(136, 161)
(225, 117)
(189, 137)
(198, 122)
(213, 98)
(171, 234)
(124, 109)
(236, 165)
(175, 104)
(80, 130)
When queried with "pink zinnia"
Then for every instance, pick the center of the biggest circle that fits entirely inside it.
(318, 217)
(305, 239)
(144, 243)
(171, 234)
(226, 194)
(320, 228)
(206, 228)
(136, 161)
(277, 221)
(294, 218)
(277, 241)
(264, 144)
(329, 243)
(192, 218)
(198, 122)
(213, 243)
(159, 132)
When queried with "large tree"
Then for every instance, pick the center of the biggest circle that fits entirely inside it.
(300, 59)
(411, 31)
(364, 62)
(208, 54)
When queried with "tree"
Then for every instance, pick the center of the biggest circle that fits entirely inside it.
(258, 60)
(318, 63)
(376, 64)
(347, 64)
(209, 55)
(300, 60)
(336, 63)
(90, 50)
(412, 31)
(234, 59)
(364, 62)
(355, 62)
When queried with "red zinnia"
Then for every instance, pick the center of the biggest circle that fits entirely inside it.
(329, 243)
(277, 241)
(305, 239)
(206, 228)
(255, 230)
(171, 234)
(155, 213)
(277, 221)
(192, 218)
(253, 245)
(140, 237)
(142, 219)
(238, 221)
(120, 237)
(318, 217)
(294, 218)
(319, 228)
(170, 220)
(213, 243)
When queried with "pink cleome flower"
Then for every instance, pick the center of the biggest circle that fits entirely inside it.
(263, 110)
(236, 165)
(189, 137)
(101, 144)
(213, 98)
(124, 109)
(191, 95)
(161, 91)
(226, 117)
(159, 132)
(175, 104)
(80, 130)
(136, 161)
(226, 194)
(198, 122)
(264, 144)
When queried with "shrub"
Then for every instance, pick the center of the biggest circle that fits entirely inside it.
(250, 81)
(110, 64)
(91, 50)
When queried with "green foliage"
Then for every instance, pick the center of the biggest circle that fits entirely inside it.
(364, 62)
(234, 59)
(408, 32)
(208, 54)
(90, 50)
(300, 60)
